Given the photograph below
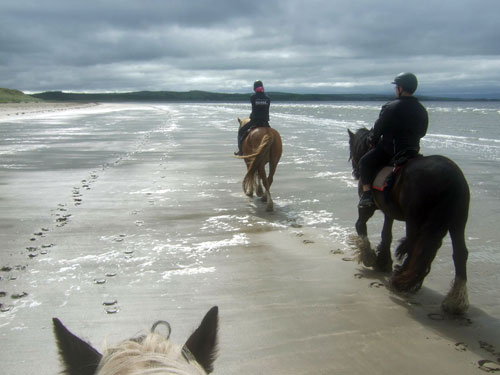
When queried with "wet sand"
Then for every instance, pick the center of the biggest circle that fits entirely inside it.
(291, 302)
(16, 110)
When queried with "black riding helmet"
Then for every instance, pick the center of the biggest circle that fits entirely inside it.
(257, 83)
(408, 81)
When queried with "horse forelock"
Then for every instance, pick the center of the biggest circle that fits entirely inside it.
(149, 354)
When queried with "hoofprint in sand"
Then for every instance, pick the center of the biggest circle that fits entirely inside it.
(91, 253)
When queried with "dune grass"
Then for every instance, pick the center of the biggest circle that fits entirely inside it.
(15, 96)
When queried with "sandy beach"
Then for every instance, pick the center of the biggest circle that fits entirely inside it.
(15, 110)
(91, 249)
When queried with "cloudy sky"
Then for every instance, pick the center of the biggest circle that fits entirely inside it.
(322, 46)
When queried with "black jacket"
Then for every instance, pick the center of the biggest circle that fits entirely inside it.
(401, 124)
(260, 108)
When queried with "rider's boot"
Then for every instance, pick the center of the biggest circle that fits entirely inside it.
(366, 200)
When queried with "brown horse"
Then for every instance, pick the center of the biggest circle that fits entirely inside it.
(263, 145)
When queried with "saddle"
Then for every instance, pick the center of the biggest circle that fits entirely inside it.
(386, 176)
(245, 134)
(258, 125)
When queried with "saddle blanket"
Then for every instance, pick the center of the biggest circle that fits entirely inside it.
(380, 181)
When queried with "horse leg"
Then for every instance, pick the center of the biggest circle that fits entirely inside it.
(273, 164)
(259, 190)
(384, 260)
(272, 169)
(457, 301)
(269, 200)
(267, 195)
(364, 214)
(249, 192)
(366, 255)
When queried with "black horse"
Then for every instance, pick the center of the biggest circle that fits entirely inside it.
(432, 196)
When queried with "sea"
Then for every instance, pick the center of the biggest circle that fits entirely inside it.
(178, 157)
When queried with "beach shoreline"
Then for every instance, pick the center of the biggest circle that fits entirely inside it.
(17, 110)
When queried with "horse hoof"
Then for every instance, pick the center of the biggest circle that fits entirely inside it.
(400, 284)
(366, 254)
(396, 287)
(363, 250)
(454, 309)
(383, 266)
(368, 260)
(457, 300)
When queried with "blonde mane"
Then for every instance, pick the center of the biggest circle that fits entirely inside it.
(150, 354)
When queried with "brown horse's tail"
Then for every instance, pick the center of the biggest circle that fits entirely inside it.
(260, 158)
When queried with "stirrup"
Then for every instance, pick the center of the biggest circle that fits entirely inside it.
(366, 200)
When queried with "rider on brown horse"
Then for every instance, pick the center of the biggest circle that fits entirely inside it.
(401, 124)
(259, 116)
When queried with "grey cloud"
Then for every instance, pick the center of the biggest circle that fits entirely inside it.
(222, 45)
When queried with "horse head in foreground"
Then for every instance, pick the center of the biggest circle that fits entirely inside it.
(148, 354)
(432, 196)
(261, 146)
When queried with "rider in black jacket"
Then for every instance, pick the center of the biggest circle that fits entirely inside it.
(259, 116)
(400, 126)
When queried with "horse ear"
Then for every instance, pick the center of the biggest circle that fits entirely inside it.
(239, 120)
(78, 357)
(203, 342)
(351, 134)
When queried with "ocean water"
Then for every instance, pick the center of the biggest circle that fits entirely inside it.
(181, 188)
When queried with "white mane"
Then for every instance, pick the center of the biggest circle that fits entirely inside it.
(153, 354)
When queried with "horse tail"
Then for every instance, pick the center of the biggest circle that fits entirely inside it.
(260, 157)
(418, 251)
(425, 232)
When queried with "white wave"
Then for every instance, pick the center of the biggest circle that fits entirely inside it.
(344, 177)
(190, 271)
(316, 217)
(25, 147)
(211, 246)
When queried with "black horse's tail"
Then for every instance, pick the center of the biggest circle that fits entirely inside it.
(432, 216)
(417, 251)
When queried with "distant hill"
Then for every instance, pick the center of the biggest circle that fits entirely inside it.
(205, 96)
(15, 96)
(197, 96)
